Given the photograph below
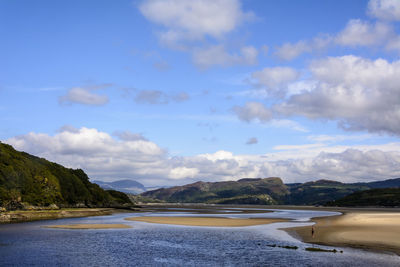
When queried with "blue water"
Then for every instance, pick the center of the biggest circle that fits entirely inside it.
(148, 244)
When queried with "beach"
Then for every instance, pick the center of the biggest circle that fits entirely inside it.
(206, 221)
(373, 230)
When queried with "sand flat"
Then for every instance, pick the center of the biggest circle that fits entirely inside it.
(369, 230)
(206, 221)
(89, 226)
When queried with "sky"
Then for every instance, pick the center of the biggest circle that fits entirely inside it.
(169, 92)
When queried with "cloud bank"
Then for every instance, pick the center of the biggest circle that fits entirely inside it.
(131, 156)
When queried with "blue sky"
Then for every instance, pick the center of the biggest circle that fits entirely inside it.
(170, 92)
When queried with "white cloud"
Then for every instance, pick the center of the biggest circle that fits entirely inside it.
(183, 172)
(361, 94)
(83, 96)
(252, 111)
(290, 51)
(275, 80)
(106, 158)
(339, 138)
(356, 33)
(362, 33)
(393, 44)
(384, 9)
(194, 20)
(217, 55)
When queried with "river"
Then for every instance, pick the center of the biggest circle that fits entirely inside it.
(147, 244)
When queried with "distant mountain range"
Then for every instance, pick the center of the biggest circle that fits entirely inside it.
(126, 186)
(264, 191)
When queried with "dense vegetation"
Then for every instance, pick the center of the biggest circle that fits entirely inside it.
(29, 180)
(384, 197)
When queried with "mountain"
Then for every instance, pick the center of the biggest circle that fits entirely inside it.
(26, 180)
(244, 191)
(383, 197)
(264, 191)
(126, 186)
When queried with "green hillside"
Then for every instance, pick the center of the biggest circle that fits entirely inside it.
(29, 180)
(244, 191)
(382, 197)
(319, 192)
(264, 191)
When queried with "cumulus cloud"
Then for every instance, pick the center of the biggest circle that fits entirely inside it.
(217, 55)
(362, 33)
(106, 158)
(252, 141)
(253, 111)
(85, 96)
(290, 51)
(156, 97)
(275, 80)
(384, 9)
(356, 33)
(359, 93)
(194, 20)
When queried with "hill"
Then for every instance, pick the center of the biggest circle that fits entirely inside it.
(319, 192)
(244, 191)
(28, 180)
(126, 186)
(381, 197)
(264, 191)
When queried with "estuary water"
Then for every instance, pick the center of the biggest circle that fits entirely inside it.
(146, 244)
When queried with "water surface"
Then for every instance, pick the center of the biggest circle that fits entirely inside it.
(172, 245)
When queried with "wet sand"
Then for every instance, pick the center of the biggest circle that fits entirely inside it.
(207, 221)
(370, 230)
(90, 226)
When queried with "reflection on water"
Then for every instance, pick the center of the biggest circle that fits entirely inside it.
(172, 245)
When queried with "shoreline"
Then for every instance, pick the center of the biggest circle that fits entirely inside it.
(371, 230)
(37, 215)
(88, 226)
(206, 221)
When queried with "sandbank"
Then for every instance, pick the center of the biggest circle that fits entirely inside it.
(89, 226)
(206, 221)
(360, 229)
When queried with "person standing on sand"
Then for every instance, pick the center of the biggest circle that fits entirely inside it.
(312, 231)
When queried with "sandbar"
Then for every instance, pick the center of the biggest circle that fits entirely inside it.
(206, 221)
(90, 226)
(360, 229)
